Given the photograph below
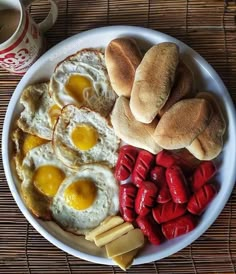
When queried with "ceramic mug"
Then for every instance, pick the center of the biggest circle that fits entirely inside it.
(26, 42)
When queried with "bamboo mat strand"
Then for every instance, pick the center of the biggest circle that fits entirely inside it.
(207, 26)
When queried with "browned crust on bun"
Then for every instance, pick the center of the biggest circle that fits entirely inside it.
(182, 123)
(132, 131)
(153, 81)
(122, 57)
(183, 87)
(209, 144)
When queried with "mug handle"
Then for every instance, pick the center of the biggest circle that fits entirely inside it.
(51, 18)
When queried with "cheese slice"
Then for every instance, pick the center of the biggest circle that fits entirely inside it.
(112, 234)
(125, 260)
(107, 224)
(130, 241)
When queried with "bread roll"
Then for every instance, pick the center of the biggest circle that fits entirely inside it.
(130, 130)
(153, 81)
(122, 57)
(209, 143)
(183, 87)
(182, 123)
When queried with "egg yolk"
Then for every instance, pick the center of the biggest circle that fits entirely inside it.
(77, 86)
(32, 141)
(84, 136)
(53, 113)
(80, 194)
(47, 179)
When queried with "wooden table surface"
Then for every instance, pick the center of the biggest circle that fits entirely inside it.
(206, 26)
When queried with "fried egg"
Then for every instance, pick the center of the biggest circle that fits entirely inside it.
(42, 176)
(82, 79)
(82, 136)
(85, 199)
(24, 142)
(40, 111)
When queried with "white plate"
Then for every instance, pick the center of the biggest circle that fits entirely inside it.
(206, 79)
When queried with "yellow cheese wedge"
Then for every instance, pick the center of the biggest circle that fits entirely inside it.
(112, 234)
(125, 260)
(130, 241)
(107, 224)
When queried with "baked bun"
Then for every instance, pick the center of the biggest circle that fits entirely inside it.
(153, 81)
(182, 123)
(183, 87)
(122, 57)
(132, 131)
(209, 143)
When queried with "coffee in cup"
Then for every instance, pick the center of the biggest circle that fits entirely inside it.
(21, 39)
(10, 19)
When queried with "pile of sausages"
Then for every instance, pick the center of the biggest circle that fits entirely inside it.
(165, 193)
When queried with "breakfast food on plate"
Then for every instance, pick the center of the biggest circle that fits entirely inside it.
(125, 162)
(85, 199)
(150, 229)
(179, 226)
(40, 111)
(112, 234)
(36, 202)
(130, 130)
(128, 242)
(200, 199)
(119, 169)
(183, 87)
(209, 143)
(125, 260)
(153, 81)
(168, 211)
(104, 226)
(146, 198)
(182, 123)
(82, 79)
(141, 168)
(127, 194)
(188, 190)
(177, 183)
(82, 136)
(42, 175)
(24, 142)
(122, 58)
(121, 240)
(181, 157)
(205, 171)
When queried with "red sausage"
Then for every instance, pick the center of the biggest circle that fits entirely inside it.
(203, 173)
(200, 200)
(158, 176)
(183, 158)
(150, 229)
(178, 226)
(165, 158)
(163, 195)
(125, 162)
(168, 211)
(142, 166)
(145, 198)
(177, 184)
(127, 196)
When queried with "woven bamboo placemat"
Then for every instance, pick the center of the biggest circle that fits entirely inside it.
(209, 28)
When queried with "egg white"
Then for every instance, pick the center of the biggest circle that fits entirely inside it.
(89, 63)
(105, 150)
(39, 156)
(106, 202)
(37, 103)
